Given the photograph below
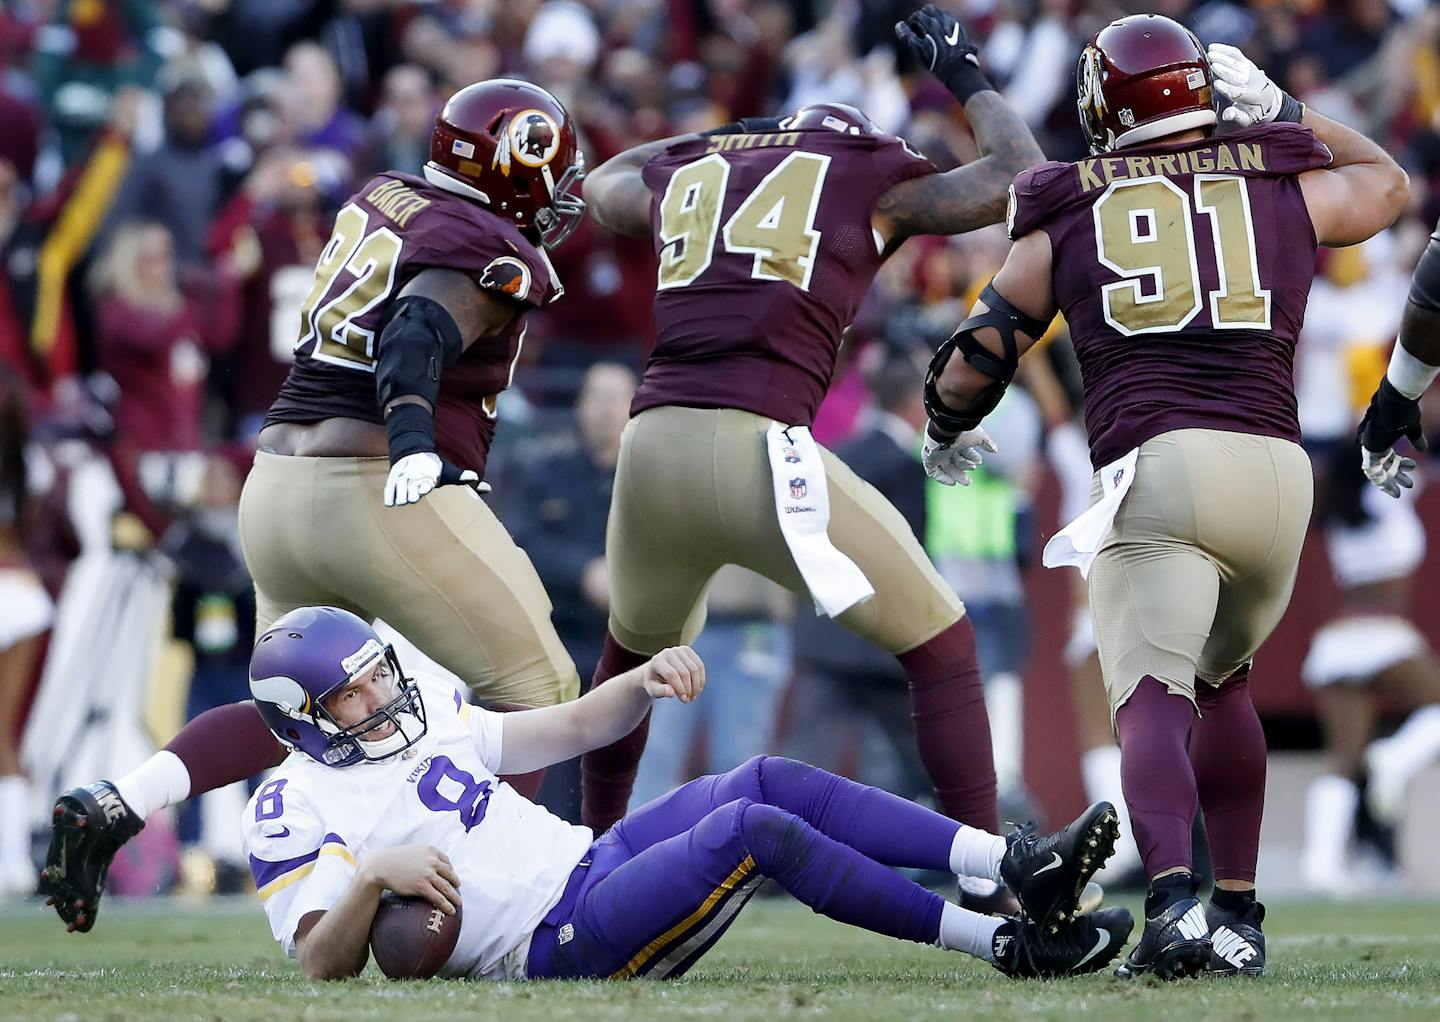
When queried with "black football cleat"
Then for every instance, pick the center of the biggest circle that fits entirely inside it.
(90, 825)
(1174, 944)
(1023, 949)
(1238, 943)
(1049, 874)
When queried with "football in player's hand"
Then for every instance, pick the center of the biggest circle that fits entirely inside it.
(411, 938)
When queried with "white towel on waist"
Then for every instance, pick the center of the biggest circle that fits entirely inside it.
(802, 504)
(1077, 544)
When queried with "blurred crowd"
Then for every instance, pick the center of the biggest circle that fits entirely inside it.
(168, 175)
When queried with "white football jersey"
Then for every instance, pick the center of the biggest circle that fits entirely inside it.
(308, 824)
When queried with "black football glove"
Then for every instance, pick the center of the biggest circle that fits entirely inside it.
(938, 42)
(1390, 416)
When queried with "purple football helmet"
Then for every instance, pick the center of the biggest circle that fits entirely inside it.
(841, 117)
(310, 653)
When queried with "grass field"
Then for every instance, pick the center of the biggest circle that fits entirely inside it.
(215, 961)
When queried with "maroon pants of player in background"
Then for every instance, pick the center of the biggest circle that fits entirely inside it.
(947, 705)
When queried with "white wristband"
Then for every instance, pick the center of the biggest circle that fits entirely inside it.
(1408, 374)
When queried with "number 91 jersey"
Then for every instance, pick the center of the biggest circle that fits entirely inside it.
(388, 231)
(1183, 273)
(308, 826)
(766, 250)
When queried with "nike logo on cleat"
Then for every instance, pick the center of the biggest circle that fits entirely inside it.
(1101, 940)
(1232, 947)
(1192, 924)
(1055, 861)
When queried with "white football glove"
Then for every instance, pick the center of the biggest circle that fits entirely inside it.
(1254, 98)
(951, 461)
(1388, 470)
(415, 475)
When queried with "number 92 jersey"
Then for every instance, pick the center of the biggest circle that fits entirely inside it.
(388, 231)
(1182, 272)
(766, 250)
(308, 826)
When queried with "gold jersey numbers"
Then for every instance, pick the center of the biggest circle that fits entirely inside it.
(1145, 232)
(355, 273)
(775, 224)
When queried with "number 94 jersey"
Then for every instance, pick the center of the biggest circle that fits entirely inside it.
(1183, 273)
(388, 231)
(766, 250)
(308, 826)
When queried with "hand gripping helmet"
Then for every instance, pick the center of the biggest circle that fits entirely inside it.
(1142, 77)
(841, 117)
(308, 654)
(512, 146)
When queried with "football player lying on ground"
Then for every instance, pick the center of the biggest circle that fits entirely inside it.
(394, 785)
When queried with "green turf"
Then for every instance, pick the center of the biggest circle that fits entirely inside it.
(215, 961)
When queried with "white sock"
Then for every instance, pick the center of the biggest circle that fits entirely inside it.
(160, 781)
(1417, 744)
(971, 932)
(976, 853)
(1003, 704)
(14, 819)
(1329, 818)
(1100, 769)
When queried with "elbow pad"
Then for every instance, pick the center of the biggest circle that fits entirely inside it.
(1425, 282)
(418, 339)
(1007, 321)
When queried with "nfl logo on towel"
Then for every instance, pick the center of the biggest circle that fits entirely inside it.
(798, 488)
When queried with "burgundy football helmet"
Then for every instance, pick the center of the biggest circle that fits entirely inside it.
(1140, 78)
(512, 146)
(841, 117)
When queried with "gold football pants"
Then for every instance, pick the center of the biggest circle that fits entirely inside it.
(444, 572)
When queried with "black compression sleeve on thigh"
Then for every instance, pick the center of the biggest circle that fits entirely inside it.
(1425, 282)
(418, 339)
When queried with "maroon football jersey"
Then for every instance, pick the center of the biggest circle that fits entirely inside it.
(390, 230)
(766, 250)
(1182, 272)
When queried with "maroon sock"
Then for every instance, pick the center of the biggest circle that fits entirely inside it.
(225, 745)
(1228, 752)
(607, 776)
(1154, 730)
(952, 729)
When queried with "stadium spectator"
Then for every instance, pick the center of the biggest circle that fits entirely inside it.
(178, 184)
(399, 132)
(314, 101)
(154, 339)
(27, 615)
(562, 498)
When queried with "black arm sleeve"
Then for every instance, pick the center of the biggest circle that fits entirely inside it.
(418, 340)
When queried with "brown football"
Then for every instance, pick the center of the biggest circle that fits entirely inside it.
(411, 938)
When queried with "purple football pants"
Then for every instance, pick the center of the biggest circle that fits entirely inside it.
(659, 888)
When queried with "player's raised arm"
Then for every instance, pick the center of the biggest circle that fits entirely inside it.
(1359, 194)
(533, 739)
(1011, 314)
(973, 195)
(436, 317)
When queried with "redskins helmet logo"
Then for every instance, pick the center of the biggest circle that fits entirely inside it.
(532, 138)
(1091, 92)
